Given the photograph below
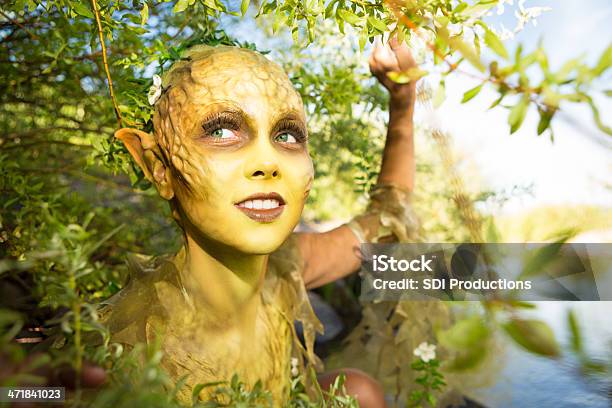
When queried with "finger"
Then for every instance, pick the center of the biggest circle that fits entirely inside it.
(394, 43)
(375, 55)
(388, 60)
(404, 55)
(92, 376)
(373, 63)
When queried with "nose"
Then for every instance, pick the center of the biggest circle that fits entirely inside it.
(263, 158)
(263, 170)
(262, 164)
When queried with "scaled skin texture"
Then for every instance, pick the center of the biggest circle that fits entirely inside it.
(212, 175)
(229, 124)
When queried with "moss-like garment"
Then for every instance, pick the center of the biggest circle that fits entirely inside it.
(155, 303)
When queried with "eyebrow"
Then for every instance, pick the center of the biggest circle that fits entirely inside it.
(290, 114)
(231, 111)
(292, 117)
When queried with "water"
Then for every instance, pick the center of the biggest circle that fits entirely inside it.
(527, 380)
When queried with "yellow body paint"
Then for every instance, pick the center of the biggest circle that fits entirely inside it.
(229, 153)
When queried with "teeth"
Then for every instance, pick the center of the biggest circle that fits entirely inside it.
(260, 204)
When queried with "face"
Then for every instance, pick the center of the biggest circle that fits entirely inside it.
(236, 135)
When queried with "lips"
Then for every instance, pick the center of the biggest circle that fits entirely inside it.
(262, 207)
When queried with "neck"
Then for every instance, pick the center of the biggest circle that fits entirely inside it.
(223, 281)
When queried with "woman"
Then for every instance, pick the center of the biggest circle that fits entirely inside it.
(229, 153)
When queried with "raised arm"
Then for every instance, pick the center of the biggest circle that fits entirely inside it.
(332, 255)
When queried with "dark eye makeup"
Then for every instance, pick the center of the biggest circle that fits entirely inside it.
(219, 120)
(234, 121)
(292, 127)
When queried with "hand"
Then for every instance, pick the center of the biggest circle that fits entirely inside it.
(393, 57)
(36, 366)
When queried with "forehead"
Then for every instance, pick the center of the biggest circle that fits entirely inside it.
(241, 77)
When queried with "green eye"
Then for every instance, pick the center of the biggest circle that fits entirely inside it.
(222, 133)
(286, 138)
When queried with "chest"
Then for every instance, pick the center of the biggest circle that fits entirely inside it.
(260, 350)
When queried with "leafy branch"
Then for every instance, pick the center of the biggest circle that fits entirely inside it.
(96, 10)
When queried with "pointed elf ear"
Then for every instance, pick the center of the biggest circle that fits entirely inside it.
(142, 147)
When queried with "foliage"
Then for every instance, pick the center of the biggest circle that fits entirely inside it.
(67, 204)
(455, 33)
(431, 380)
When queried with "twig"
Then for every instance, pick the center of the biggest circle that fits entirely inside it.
(94, 4)
(45, 142)
(453, 66)
(32, 35)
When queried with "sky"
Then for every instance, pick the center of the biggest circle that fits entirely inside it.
(575, 169)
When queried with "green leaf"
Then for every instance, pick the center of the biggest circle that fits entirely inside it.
(329, 10)
(517, 114)
(404, 77)
(534, 336)
(363, 37)
(82, 10)
(244, 5)
(468, 340)
(538, 260)
(497, 101)
(144, 14)
(464, 334)
(467, 51)
(279, 18)
(521, 305)
(180, 6)
(495, 44)
(596, 116)
(471, 93)
(349, 17)
(440, 95)
(478, 9)
(378, 24)
(545, 118)
(605, 61)
(566, 69)
(517, 54)
(295, 34)
(575, 336)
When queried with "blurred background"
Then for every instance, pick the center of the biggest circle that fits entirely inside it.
(73, 205)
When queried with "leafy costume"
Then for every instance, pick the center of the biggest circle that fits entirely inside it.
(156, 304)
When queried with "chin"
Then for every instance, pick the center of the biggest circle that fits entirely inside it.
(261, 243)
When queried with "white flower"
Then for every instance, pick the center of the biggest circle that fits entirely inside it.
(524, 15)
(156, 90)
(425, 351)
(500, 5)
(294, 367)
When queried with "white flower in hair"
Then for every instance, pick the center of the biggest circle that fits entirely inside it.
(156, 90)
(425, 351)
(294, 367)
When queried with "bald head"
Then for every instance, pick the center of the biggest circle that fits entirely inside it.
(210, 76)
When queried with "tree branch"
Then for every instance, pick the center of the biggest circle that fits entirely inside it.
(94, 4)
(32, 35)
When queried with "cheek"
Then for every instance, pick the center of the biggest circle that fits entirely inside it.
(206, 183)
(215, 175)
(300, 177)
